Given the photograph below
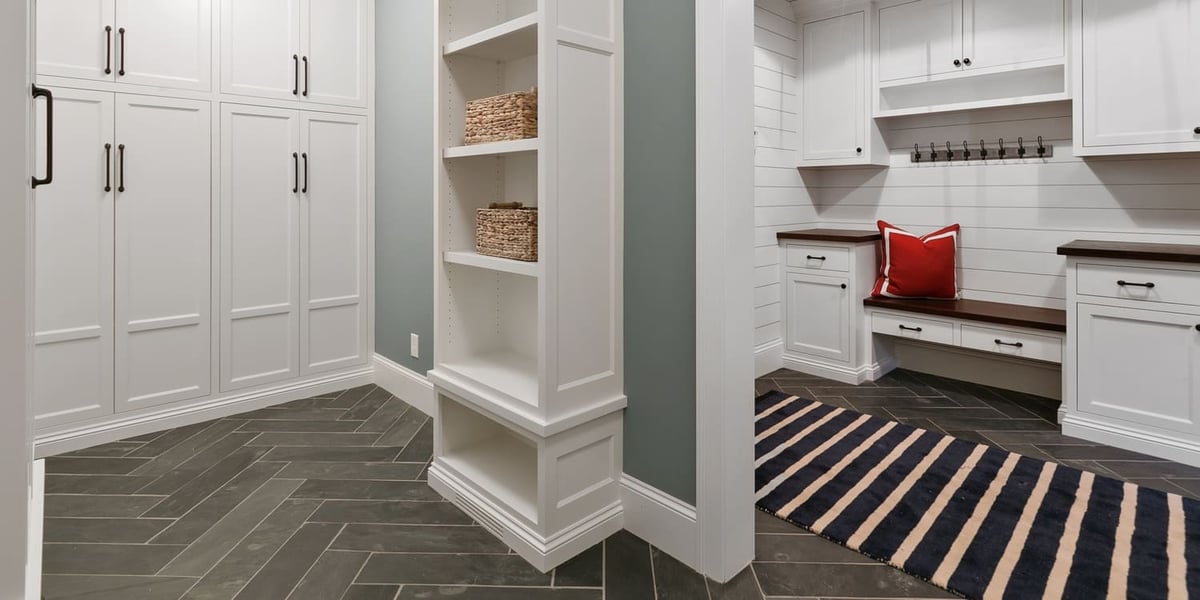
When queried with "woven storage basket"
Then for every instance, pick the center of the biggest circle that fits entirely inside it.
(502, 118)
(507, 232)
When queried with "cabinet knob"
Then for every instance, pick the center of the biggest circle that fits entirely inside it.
(1196, 131)
(858, 150)
(844, 287)
(1198, 328)
(967, 61)
(957, 63)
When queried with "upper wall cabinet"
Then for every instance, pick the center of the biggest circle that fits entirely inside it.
(142, 42)
(309, 50)
(1136, 90)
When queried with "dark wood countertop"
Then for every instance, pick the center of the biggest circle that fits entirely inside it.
(850, 236)
(1013, 315)
(1181, 253)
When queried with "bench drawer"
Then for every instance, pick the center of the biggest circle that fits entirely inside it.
(1012, 343)
(913, 328)
(1169, 286)
(818, 258)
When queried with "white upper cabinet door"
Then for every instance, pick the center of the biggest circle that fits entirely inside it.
(1011, 32)
(73, 339)
(833, 76)
(163, 251)
(260, 48)
(260, 254)
(77, 39)
(334, 40)
(165, 43)
(919, 39)
(333, 248)
(1140, 83)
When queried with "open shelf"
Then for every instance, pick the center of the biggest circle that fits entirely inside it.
(493, 148)
(511, 374)
(504, 265)
(513, 39)
(496, 460)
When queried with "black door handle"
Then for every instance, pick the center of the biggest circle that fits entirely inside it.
(305, 76)
(1013, 344)
(304, 190)
(957, 63)
(108, 167)
(967, 61)
(108, 50)
(907, 328)
(1123, 283)
(815, 258)
(296, 72)
(121, 33)
(121, 168)
(39, 92)
(296, 179)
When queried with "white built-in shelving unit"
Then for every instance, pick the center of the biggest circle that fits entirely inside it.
(529, 374)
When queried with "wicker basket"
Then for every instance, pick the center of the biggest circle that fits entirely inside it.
(507, 231)
(502, 118)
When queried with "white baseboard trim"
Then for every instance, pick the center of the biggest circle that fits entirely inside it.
(37, 510)
(847, 374)
(121, 426)
(768, 358)
(662, 520)
(405, 384)
(1161, 445)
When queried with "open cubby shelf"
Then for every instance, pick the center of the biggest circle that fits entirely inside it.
(512, 39)
(492, 263)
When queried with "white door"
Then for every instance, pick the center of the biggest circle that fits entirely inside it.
(818, 317)
(1139, 365)
(1009, 32)
(260, 254)
(163, 255)
(1139, 74)
(334, 42)
(333, 233)
(833, 75)
(919, 39)
(73, 262)
(260, 48)
(77, 39)
(165, 44)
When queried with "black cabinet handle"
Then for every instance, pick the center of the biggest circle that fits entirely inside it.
(305, 76)
(305, 189)
(815, 257)
(843, 286)
(907, 328)
(1123, 283)
(296, 73)
(121, 168)
(296, 179)
(967, 61)
(108, 167)
(108, 50)
(121, 33)
(39, 92)
(957, 63)
(1013, 344)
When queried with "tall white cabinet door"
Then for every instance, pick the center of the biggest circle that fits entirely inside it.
(163, 252)
(335, 43)
(1008, 32)
(77, 39)
(73, 340)
(920, 38)
(333, 249)
(166, 44)
(260, 48)
(1139, 365)
(1139, 79)
(818, 319)
(260, 254)
(833, 67)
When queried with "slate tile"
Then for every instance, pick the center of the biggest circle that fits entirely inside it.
(951, 423)
(371, 592)
(1009, 408)
(386, 416)
(348, 398)
(277, 578)
(390, 511)
(1069, 452)
(60, 465)
(195, 491)
(314, 402)
(413, 592)
(1035, 437)
(842, 581)
(102, 531)
(294, 414)
(912, 402)
(803, 548)
(936, 414)
(106, 559)
(974, 436)
(319, 440)
(1185, 487)
(1134, 468)
(766, 523)
(186, 450)
(183, 474)
(165, 440)
(460, 539)
(420, 448)
(389, 471)
(342, 489)
(452, 569)
(373, 401)
(627, 567)
(301, 426)
(295, 454)
(113, 449)
(147, 437)
(402, 431)
(113, 506)
(330, 577)
(851, 392)
(673, 580)
(114, 587)
(743, 586)
(95, 484)
(585, 570)
(837, 401)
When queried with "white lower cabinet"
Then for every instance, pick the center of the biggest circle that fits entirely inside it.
(818, 321)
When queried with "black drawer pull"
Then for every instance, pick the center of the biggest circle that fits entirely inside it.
(907, 328)
(121, 34)
(108, 50)
(49, 96)
(1013, 344)
(1148, 285)
(815, 257)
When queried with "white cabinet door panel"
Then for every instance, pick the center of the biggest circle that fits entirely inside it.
(919, 39)
(166, 44)
(73, 339)
(260, 48)
(1008, 32)
(833, 67)
(335, 42)
(76, 39)
(260, 255)
(818, 319)
(163, 255)
(333, 242)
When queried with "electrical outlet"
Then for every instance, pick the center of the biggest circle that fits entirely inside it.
(414, 346)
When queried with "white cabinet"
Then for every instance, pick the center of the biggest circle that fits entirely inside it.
(818, 321)
(163, 236)
(920, 38)
(73, 272)
(141, 42)
(311, 50)
(1136, 86)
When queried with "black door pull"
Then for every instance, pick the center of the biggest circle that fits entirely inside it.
(304, 190)
(108, 50)
(121, 168)
(296, 72)
(1147, 285)
(108, 167)
(296, 179)
(39, 92)
(907, 328)
(815, 258)
(121, 33)
(1000, 342)
(305, 76)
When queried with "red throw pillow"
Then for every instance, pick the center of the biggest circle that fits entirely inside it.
(917, 267)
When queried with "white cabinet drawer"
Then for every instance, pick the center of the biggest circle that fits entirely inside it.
(1138, 283)
(1012, 343)
(819, 258)
(913, 328)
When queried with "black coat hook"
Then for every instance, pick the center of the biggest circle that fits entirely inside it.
(949, 152)
(1041, 147)
(966, 151)
(1021, 147)
(932, 152)
(982, 150)
(1003, 151)
(916, 152)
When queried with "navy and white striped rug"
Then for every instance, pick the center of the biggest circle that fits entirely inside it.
(971, 519)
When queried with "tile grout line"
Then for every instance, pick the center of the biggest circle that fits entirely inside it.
(276, 552)
(300, 579)
(219, 488)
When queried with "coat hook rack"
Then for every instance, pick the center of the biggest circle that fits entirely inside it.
(999, 151)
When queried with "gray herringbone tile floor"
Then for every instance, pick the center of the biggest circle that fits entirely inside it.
(325, 498)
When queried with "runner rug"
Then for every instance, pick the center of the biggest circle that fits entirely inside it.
(972, 519)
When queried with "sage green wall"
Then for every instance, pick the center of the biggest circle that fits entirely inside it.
(660, 220)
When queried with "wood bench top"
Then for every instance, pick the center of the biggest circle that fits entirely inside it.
(1013, 315)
